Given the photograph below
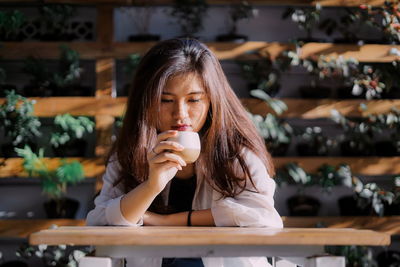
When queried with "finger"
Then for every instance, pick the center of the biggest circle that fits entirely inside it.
(167, 156)
(165, 135)
(167, 145)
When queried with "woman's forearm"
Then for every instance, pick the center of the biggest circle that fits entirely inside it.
(198, 218)
(136, 202)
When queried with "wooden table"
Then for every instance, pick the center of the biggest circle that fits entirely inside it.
(295, 244)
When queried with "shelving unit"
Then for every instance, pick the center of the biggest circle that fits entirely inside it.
(104, 107)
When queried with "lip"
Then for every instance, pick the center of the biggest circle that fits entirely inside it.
(182, 127)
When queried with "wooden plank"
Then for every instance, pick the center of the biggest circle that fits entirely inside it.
(173, 236)
(224, 51)
(104, 129)
(297, 108)
(359, 165)
(390, 225)
(23, 228)
(321, 108)
(213, 2)
(105, 24)
(78, 106)
(105, 77)
(12, 167)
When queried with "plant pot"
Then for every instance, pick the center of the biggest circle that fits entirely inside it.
(348, 207)
(15, 263)
(301, 205)
(61, 208)
(56, 37)
(232, 38)
(277, 150)
(73, 148)
(315, 91)
(386, 149)
(308, 150)
(344, 92)
(311, 40)
(348, 150)
(144, 38)
(34, 90)
(388, 258)
(346, 40)
(392, 210)
(75, 90)
(7, 149)
(394, 93)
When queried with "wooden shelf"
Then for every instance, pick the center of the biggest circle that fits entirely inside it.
(224, 51)
(390, 225)
(358, 165)
(212, 2)
(297, 108)
(23, 228)
(94, 167)
(12, 167)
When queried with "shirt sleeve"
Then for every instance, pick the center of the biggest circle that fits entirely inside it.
(107, 209)
(249, 209)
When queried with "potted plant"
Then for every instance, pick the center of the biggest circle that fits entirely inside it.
(55, 20)
(54, 182)
(11, 23)
(3, 85)
(141, 14)
(393, 209)
(58, 256)
(313, 142)
(306, 19)
(189, 15)
(64, 81)
(356, 256)
(238, 10)
(300, 204)
(18, 122)
(130, 67)
(260, 74)
(357, 139)
(66, 138)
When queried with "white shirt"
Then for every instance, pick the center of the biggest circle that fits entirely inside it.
(248, 209)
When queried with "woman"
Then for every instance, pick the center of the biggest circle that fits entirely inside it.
(180, 86)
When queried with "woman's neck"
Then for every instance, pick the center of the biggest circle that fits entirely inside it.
(186, 172)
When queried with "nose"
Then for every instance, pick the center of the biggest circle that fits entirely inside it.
(180, 111)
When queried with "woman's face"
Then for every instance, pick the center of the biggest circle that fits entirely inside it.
(184, 104)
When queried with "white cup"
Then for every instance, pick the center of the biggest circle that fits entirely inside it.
(191, 143)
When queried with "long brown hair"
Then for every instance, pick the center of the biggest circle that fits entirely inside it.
(226, 132)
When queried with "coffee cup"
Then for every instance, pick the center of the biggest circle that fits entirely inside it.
(191, 143)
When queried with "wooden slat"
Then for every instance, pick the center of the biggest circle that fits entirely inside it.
(105, 77)
(94, 167)
(173, 236)
(390, 225)
(358, 165)
(84, 106)
(104, 129)
(321, 108)
(23, 228)
(214, 2)
(297, 108)
(12, 167)
(95, 50)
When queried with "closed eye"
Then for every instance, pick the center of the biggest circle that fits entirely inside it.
(166, 100)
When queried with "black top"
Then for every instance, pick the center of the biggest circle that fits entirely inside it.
(181, 194)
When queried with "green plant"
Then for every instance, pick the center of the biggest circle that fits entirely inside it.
(55, 19)
(312, 139)
(45, 79)
(10, 24)
(140, 14)
(69, 128)
(261, 74)
(189, 14)
(329, 176)
(305, 17)
(132, 64)
(276, 133)
(356, 256)
(54, 182)
(17, 119)
(373, 195)
(293, 174)
(239, 10)
(358, 134)
(368, 81)
(56, 256)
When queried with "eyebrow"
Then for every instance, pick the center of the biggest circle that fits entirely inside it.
(191, 93)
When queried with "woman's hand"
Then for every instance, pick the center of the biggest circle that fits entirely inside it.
(163, 163)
